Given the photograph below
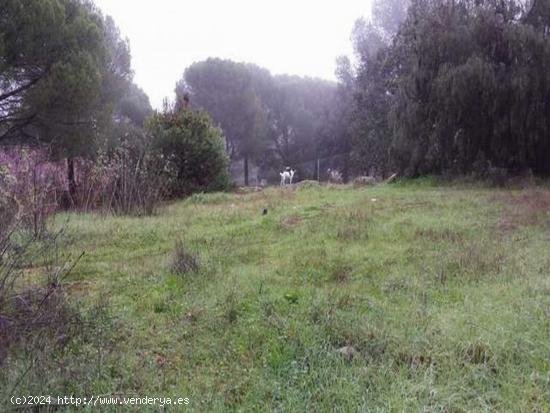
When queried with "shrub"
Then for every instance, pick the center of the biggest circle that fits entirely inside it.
(30, 187)
(192, 150)
(184, 262)
(308, 184)
(42, 326)
(33, 315)
(123, 183)
(364, 181)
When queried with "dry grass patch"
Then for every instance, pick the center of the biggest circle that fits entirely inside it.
(292, 221)
(529, 207)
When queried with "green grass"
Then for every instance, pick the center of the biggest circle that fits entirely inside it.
(448, 310)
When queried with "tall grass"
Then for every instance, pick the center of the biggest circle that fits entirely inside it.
(444, 307)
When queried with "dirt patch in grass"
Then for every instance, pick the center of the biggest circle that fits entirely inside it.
(292, 221)
(529, 207)
(79, 287)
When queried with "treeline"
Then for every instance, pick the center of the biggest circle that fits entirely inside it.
(445, 87)
(271, 120)
(454, 87)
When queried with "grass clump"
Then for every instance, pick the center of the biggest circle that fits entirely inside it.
(183, 261)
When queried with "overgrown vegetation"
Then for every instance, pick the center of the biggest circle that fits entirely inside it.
(46, 340)
(367, 297)
(77, 125)
(451, 87)
(437, 305)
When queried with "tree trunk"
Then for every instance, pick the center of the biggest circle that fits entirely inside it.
(72, 181)
(245, 170)
(345, 169)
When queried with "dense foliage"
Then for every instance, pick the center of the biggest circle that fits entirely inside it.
(59, 65)
(192, 151)
(67, 97)
(463, 87)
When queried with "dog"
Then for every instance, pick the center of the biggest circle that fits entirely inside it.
(287, 176)
(335, 176)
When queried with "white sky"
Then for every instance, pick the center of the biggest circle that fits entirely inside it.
(301, 37)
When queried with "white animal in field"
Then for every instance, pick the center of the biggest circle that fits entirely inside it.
(287, 176)
(335, 176)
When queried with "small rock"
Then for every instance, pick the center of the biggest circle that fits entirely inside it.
(348, 352)
(249, 189)
(364, 181)
(307, 184)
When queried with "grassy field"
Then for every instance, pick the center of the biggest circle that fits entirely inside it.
(441, 295)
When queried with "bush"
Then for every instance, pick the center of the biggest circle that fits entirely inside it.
(42, 326)
(30, 188)
(184, 262)
(364, 181)
(124, 183)
(308, 184)
(192, 150)
(32, 315)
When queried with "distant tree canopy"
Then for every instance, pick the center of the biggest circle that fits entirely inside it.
(435, 87)
(134, 105)
(461, 86)
(226, 90)
(269, 119)
(296, 111)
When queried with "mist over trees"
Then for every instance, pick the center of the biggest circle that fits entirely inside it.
(446, 87)
(460, 88)
(272, 120)
(434, 87)
(227, 91)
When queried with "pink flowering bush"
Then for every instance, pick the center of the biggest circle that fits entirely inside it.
(30, 187)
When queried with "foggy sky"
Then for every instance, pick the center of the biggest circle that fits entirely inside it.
(301, 37)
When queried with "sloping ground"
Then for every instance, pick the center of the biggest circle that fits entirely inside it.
(442, 296)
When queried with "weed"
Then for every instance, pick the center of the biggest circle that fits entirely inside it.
(183, 261)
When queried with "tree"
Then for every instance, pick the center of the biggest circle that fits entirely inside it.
(297, 110)
(337, 129)
(273, 120)
(62, 69)
(226, 90)
(475, 90)
(192, 150)
(134, 106)
(360, 119)
(52, 52)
